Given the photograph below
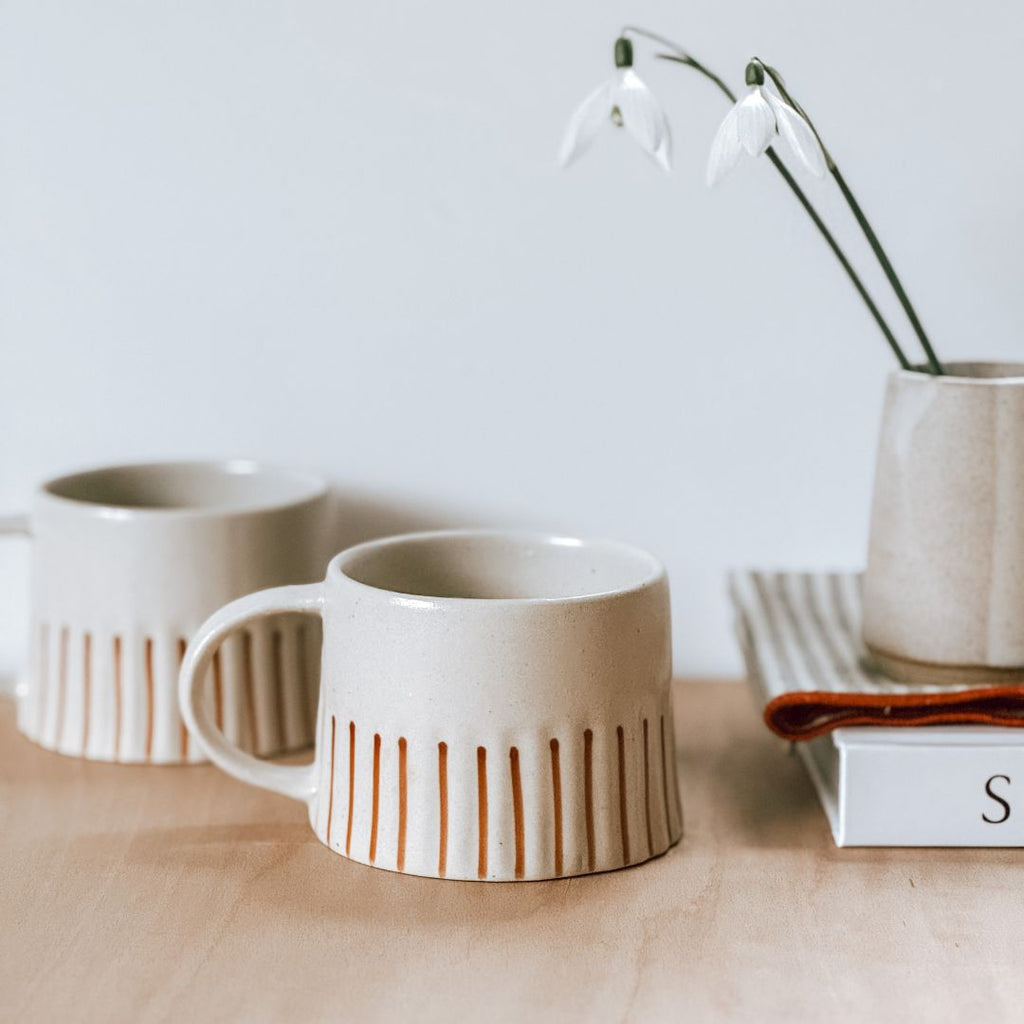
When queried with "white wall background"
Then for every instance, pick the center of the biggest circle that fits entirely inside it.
(335, 234)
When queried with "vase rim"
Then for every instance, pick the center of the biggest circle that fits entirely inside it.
(969, 373)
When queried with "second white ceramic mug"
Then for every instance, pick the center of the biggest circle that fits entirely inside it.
(126, 562)
(493, 706)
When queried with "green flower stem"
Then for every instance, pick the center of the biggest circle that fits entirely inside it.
(841, 256)
(876, 246)
(890, 273)
(680, 56)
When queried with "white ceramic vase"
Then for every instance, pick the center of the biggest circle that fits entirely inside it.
(944, 587)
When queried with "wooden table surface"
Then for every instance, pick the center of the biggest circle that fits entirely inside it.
(179, 894)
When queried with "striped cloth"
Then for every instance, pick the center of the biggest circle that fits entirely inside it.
(800, 634)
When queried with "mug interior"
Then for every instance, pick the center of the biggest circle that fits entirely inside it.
(234, 485)
(482, 565)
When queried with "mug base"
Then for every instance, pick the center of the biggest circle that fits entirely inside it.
(932, 673)
(579, 871)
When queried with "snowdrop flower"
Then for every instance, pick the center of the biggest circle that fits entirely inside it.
(751, 125)
(627, 103)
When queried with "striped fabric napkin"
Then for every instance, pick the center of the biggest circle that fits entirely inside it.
(801, 640)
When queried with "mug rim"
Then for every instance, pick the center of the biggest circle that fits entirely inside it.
(655, 575)
(312, 488)
(920, 374)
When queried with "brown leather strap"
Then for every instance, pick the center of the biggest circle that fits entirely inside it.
(806, 714)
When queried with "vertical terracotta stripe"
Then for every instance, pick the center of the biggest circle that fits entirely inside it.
(43, 681)
(517, 812)
(182, 647)
(118, 697)
(351, 783)
(330, 795)
(277, 659)
(665, 769)
(62, 678)
(647, 794)
(376, 797)
(623, 815)
(249, 684)
(86, 688)
(556, 795)
(588, 795)
(481, 801)
(402, 752)
(442, 785)
(149, 697)
(218, 691)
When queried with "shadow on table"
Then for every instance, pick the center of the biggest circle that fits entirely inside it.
(739, 782)
(283, 865)
(771, 800)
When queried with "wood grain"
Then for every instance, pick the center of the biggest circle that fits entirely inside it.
(174, 893)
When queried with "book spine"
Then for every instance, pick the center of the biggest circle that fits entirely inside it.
(921, 795)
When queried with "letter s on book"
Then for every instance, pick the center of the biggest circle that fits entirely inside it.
(998, 799)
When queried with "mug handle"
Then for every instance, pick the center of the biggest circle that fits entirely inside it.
(296, 781)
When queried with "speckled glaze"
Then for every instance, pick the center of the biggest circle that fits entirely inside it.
(944, 587)
(126, 562)
(493, 706)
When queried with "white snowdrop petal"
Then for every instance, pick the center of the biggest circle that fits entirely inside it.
(755, 122)
(584, 124)
(799, 136)
(663, 154)
(642, 115)
(725, 150)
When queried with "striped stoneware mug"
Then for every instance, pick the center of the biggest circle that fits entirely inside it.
(493, 705)
(126, 562)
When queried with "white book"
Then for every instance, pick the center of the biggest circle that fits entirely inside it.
(900, 785)
(927, 786)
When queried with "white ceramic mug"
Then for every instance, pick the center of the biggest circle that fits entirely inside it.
(126, 562)
(944, 587)
(493, 706)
